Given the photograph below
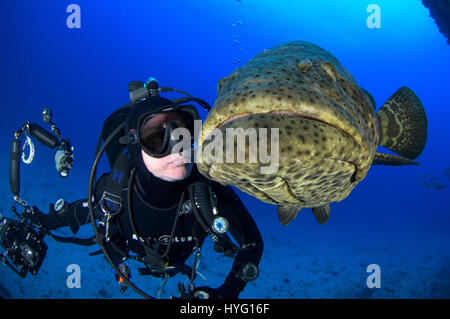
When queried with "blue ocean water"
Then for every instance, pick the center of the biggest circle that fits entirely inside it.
(397, 218)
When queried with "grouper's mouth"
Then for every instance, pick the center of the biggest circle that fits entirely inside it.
(284, 113)
(287, 113)
(308, 147)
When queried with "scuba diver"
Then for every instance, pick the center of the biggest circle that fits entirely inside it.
(154, 206)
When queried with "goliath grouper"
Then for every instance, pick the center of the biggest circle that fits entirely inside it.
(329, 129)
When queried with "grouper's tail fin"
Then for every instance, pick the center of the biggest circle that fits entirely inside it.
(403, 124)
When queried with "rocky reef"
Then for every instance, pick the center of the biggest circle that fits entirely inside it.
(440, 11)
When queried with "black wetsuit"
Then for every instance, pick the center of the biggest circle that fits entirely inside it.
(154, 206)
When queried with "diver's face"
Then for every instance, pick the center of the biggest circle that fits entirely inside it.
(171, 168)
(153, 136)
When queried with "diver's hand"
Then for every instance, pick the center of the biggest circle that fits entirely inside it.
(58, 216)
(37, 218)
(40, 219)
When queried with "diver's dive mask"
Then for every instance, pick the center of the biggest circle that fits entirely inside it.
(159, 133)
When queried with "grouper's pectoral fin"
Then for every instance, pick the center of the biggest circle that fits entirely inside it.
(393, 160)
(403, 124)
(286, 214)
(322, 213)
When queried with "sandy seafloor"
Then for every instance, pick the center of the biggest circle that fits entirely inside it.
(339, 275)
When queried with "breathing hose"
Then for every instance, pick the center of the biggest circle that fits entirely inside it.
(100, 237)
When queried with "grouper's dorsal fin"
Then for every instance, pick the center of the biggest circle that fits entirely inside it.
(286, 214)
(322, 213)
(392, 160)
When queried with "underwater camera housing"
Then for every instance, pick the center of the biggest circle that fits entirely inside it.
(23, 244)
(22, 239)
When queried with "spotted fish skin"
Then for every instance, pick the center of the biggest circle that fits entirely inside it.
(329, 130)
